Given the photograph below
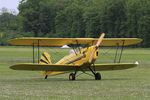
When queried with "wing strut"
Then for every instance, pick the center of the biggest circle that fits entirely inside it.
(78, 46)
(122, 48)
(117, 54)
(33, 53)
(38, 50)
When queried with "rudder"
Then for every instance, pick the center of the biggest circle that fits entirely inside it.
(45, 58)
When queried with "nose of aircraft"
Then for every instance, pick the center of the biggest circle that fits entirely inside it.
(96, 47)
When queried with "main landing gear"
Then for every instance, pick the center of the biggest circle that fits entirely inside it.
(72, 76)
(97, 75)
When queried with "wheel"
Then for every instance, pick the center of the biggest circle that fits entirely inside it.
(46, 76)
(97, 76)
(72, 76)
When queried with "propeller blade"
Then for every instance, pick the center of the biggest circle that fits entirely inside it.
(96, 47)
(100, 39)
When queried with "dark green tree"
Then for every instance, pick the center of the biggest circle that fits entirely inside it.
(85, 18)
(8, 21)
(69, 21)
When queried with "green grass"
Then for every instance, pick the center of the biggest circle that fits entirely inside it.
(131, 84)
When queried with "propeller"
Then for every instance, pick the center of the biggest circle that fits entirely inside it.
(96, 47)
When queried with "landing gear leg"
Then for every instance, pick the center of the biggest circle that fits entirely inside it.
(46, 76)
(97, 75)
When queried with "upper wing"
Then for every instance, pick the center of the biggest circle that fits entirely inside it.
(55, 67)
(67, 41)
(114, 66)
(44, 67)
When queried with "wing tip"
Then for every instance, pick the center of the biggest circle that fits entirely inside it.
(137, 63)
(11, 67)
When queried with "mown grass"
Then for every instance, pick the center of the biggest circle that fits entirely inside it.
(131, 84)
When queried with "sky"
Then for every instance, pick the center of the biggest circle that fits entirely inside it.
(10, 4)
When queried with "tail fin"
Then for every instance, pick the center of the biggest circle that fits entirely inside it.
(45, 58)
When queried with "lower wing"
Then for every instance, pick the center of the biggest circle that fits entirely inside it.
(114, 66)
(56, 67)
(44, 67)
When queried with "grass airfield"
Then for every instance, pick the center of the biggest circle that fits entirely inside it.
(130, 84)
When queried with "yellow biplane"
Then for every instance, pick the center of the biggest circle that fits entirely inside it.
(81, 60)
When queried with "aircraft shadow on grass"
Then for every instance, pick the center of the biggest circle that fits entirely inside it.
(60, 80)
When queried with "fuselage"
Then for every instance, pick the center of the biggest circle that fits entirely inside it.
(79, 58)
(76, 58)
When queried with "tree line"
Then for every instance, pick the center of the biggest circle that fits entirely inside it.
(78, 18)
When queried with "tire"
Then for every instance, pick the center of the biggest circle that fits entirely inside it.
(72, 76)
(97, 76)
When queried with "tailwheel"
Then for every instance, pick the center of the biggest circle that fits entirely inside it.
(72, 76)
(46, 76)
(97, 76)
